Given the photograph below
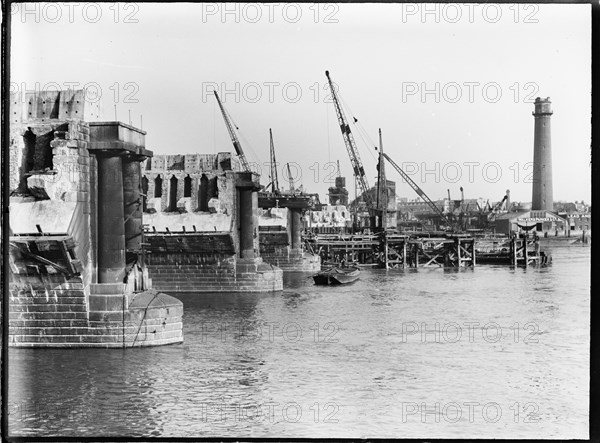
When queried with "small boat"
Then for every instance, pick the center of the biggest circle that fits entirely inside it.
(337, 276)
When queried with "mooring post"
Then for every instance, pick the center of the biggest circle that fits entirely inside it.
(525, 254)
(385, 250)
(416, 255)
(513, 250)
(447, 253)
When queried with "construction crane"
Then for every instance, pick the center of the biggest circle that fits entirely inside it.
(418, 190)
(381, 181)
(359, 171)
(290, 178)
(492, 214)
(382, 194)
(234, 139)
(274, 180)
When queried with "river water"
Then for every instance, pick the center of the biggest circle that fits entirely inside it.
(490, 352)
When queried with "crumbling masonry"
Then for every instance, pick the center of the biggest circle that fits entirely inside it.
(202, 226)
(78, 277)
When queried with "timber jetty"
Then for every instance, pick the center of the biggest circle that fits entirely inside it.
(393, 250)
(390, 249)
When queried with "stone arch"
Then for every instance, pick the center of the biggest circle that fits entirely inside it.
(29, 138)
(158, 182)
(187, 186)
(203, 195)
(173, 182)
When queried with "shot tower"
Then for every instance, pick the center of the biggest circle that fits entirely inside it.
(542, 157)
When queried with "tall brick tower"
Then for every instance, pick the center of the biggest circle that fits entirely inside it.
(542, 157)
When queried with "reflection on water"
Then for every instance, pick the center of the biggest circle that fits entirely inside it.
(487, 352)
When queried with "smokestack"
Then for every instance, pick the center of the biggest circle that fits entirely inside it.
(507, 200)
(542, 198)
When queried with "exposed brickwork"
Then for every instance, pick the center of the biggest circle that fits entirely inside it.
(70, 178)
(212, 273)
(275, 249)
(201, 243)
(51, 141)
(292, 260)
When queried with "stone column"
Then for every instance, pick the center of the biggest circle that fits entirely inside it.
(194, 197)
(295, 227)
(246, 224)
(132, 201)
(255, 222)
(111, 229)
(150, 193)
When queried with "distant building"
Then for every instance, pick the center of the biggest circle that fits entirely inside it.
(391, 214)
(331, 216)
(543, 222)
(568, 207)
(521, 206)
(338, 194)
(409, 210)
(579, 222)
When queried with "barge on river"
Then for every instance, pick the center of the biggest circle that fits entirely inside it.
(337, 276)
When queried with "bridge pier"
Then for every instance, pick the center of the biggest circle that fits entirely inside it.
(111, 229)
(132, 203)
(282, 245)
(71, 236)
(294, 228)
(248, 207)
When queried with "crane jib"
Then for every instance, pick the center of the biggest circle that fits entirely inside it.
(355, 160)
(417, 189)
(234, 139)
(236, 145)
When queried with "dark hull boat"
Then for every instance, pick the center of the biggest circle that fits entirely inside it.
(336, 276)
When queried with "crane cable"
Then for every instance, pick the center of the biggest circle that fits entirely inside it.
(214, 127)
(328, 136)
(361, 131)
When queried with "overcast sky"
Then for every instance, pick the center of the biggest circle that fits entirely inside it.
(451, 86)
